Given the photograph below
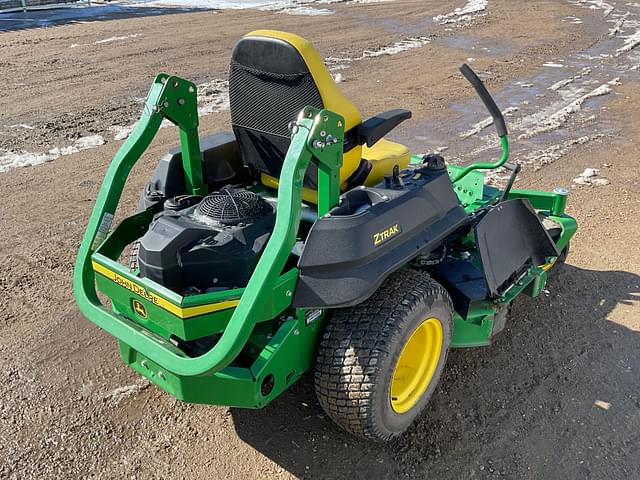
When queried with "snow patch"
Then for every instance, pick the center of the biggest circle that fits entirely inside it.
(91, 141)
(121, 393)
(481, 125)
(461, 14)
(335, 64)
(545, 156)
(596, 5)
(591, 176)
(9, 159)
(120, 132)
(397, 47)
(562, 83)
(213, 96)
(572, 20)
(553, 65)
(295, 8)
(629, 44)
(211, 4)
(617, 27)
(289, 7)
(21, 125)
(115, 39)
(559, 117)
(307, 11)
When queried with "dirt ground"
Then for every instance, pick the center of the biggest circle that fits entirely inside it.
(556, 396)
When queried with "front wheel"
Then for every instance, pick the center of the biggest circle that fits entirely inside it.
(379, 362)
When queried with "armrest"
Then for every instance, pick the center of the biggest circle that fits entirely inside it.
(378, 126)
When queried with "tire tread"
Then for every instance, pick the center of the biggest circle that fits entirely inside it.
(358, 340)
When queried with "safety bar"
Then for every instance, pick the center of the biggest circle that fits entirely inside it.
(306, 143)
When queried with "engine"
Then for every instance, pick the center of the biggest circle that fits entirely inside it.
(205, 244)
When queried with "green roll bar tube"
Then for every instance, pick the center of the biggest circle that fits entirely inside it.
(317, 136)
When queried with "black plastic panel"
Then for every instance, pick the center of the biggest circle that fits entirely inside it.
(464, 282)
(371, 234)
(511, 239)
(182, 253)
(221, 163)
(378, 126)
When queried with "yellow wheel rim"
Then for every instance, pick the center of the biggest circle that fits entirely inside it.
(416, 365)
(547, 266)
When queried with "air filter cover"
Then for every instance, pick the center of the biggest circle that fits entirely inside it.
(232, 207)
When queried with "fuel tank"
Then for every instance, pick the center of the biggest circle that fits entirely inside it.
(374, 231)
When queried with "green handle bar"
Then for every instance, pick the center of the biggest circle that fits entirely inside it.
(504, 143)
(498, 121)
(240, 325)
(271, 262)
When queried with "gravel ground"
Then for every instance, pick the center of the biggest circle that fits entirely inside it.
(556, 396)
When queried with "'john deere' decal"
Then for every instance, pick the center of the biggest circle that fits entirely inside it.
(386, 234)
(157, 300)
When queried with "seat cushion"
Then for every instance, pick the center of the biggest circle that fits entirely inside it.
(384, 155)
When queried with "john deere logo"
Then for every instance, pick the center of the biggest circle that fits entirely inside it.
(139, 308)
(386, 234)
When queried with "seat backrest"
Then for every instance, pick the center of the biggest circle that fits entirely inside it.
(272, 77)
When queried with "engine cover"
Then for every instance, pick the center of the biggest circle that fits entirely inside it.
(214, 244)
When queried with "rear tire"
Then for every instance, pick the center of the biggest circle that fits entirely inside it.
(379, 362)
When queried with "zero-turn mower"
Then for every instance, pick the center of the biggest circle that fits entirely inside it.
(304, 239)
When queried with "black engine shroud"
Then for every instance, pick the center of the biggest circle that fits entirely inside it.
(210, 244)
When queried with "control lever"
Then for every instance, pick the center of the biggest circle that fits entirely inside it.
(515, 169)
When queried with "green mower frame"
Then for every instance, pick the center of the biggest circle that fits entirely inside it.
(257, 321)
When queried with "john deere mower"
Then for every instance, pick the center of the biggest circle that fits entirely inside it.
(303, 239)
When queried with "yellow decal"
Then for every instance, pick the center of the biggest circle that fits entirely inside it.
(177, 310)
(386, 234)
(139, 308)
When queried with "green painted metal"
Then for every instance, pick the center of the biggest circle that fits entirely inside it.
(325, 141)
(539, 200)
(560, 201)
(470, 189)
(318, 134)
(473, 194)
(264, 345)
(504, 143)
(285, 357)
(158, 319)
(286, 354)
(467, 333)
(569, 227)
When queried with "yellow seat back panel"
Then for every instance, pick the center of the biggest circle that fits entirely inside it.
(332, 98)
